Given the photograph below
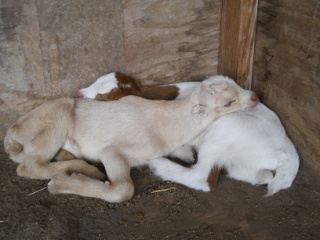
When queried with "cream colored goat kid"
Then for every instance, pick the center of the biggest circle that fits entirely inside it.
(120, 134)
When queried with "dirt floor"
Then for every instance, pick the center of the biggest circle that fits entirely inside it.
(235, 210)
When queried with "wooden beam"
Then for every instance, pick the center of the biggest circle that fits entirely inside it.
(237, 34)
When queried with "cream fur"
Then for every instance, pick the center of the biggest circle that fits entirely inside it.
(120, 134)
(251, 145)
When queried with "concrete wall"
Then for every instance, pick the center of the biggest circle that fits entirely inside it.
(54, 48)
(286, 71)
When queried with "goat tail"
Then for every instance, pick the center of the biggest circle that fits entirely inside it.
(287, 170)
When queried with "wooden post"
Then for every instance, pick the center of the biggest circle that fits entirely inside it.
(237, 33)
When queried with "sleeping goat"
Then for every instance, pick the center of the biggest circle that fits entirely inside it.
(251, 145)
(120, 134)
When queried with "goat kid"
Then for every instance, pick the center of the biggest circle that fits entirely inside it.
(115, 133)
(251, 145)
(113, 86)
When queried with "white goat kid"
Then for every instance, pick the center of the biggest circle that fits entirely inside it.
(250, 145)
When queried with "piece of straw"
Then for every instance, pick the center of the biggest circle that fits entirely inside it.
(37, 191)
(163, 190)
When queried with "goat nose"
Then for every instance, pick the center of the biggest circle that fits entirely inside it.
(254, 97)
(80, 95)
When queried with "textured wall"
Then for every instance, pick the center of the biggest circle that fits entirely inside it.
(171, 41)
(53, 48)
(287, 69)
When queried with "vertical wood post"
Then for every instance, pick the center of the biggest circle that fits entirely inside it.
(237, 33)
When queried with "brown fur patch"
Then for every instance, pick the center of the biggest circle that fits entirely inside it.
(126, 86)
(160, 92)
(213, 178)
(115, 94)
(125, 82)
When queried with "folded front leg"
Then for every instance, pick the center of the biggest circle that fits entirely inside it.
(118, 189)
(194, 177)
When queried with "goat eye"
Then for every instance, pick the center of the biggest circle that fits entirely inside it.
(229, 103)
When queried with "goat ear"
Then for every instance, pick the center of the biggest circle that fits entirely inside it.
(199, 111)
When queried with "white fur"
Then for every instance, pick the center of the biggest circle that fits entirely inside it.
(249, 144)
(103, 84)
(185, 88)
